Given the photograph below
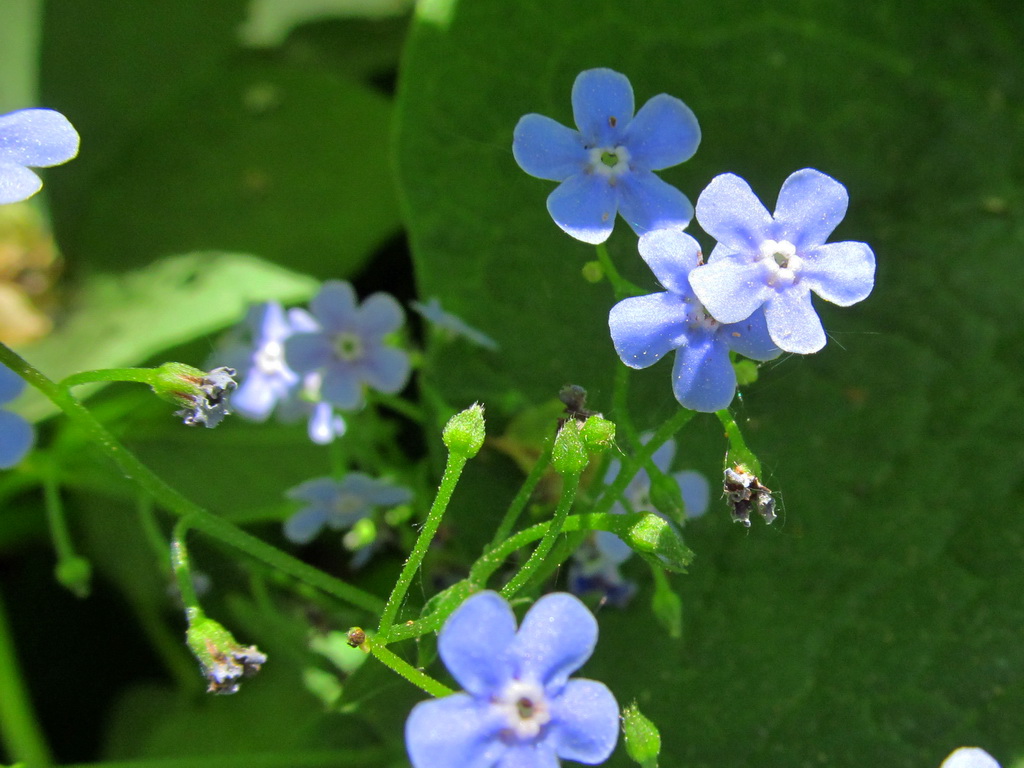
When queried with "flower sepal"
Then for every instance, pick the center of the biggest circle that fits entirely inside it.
(641, 736)
(658, 542)
(223, 659)
(202, 395)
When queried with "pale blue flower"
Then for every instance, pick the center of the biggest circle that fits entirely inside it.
(348, 349)
(453, 325)
(607, 166)
(339, 504)
(970, 757)
(519, 708)
(777, 261)
(16, 434)
(646, 328)
(32, 138)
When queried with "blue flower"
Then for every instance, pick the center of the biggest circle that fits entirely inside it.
(32, 138)
(607, 165)
(645, 328)
(16, 434)
(451, 324)
(339, 505)
(595, 566)
(970, 757)
(348, 349)
(519, 709)
(776, 261)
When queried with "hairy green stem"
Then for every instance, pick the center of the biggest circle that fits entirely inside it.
(170, 499)
(141, 375)
(181, 566)
(415, 676)
(622, 287)
(452, 472)
(738, 452)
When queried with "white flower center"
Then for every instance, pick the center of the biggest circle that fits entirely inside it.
(697, 317)
(269, 359)
(782, 265)
(609, 161)
(348, 346)
(525, 708)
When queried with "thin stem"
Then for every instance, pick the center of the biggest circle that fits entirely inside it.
(452, 472)
(620, 285)
(172, 501)
(18, 725)
(55, 515)
(515, 509)
(738, 452)
(182, 567)
(141, 375)
(400, 406)
(415, 676)
(570, 483)
(151, 530)
(620, 402)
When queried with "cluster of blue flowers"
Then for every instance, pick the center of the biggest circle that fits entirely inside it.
(318, 362)
(29, 138)
(752, 297)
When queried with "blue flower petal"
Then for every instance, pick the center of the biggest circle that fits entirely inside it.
(792, 322)
(730, 289)
(648, 203)
(703, 379)
(324, 424)
(614, 550)
(696, 491)
(335, 306)
(306, 524)
(809, 207)
(557, 635)
(305, 352)
(671, 255)
(380, 314)
(474, 641)
(16, 438)
(11, 384)
(602, 106)
(750, 337)
(456, 730)
(532, 754)
(319, 490)
(585, 722)
(37, 137)
(17, 183)
(645, 328)
(584, 206)
(341, 387)
(843, 273)
(386, 369)
(730, 212)
(547, 149)
(664, 133)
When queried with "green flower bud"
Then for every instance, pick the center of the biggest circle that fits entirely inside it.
(598, 434)
(643, 742)
(75, 573)
(593, 272)
(659, 542)
(202, 395)
(464, 432)
(223, 659)
(569, 456)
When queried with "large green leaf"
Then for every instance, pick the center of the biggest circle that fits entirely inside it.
(878, 622)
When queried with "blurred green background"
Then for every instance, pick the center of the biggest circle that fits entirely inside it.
(878, 622)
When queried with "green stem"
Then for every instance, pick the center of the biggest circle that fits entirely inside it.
(171, 500)
(151, 530)
(141, 375)
(738, 452)
(622, 287)
(21, 733)
(570, 483)
(415, 676)
(182, 567)
(620, 402)
(314, 759)
(55, 515)
(515, 509)
(452, 472)
(400, 406)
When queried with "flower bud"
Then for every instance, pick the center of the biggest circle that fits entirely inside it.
(598, 434)
(223, 659)
(569, 456)
(658, 541)
(643, 742)
(75, 573)
(203, 396)
(464, 432)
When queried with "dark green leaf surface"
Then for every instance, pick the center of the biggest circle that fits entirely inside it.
(878, 621)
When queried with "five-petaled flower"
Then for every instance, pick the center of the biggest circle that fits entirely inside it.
(348, 349)
(16, 434)
(608, 165)
(969, 757)
(776, 261)
(32, 138)
(645, 328)
(339, 504)
(519, 708)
